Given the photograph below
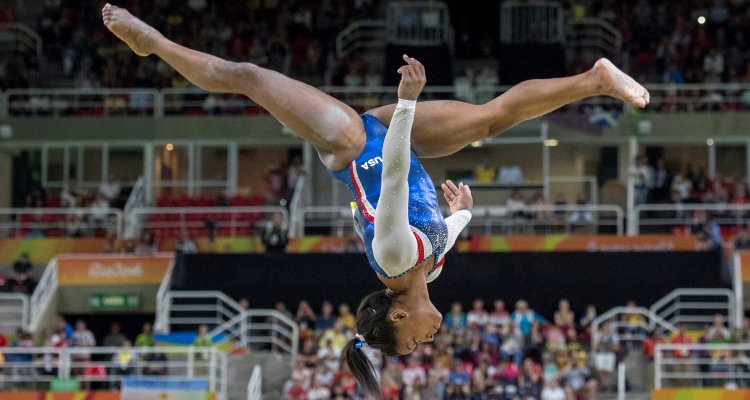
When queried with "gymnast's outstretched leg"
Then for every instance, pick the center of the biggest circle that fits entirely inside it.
(334, 128)
(444, 127)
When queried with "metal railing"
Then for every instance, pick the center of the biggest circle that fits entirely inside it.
(141, 102)
(40, 365)
(697, 306)
(259, 328)
(629, 330)
(82, 102)
(411, 23)
(667, 217)
(701, 365)
(161, 319)
(136, 199)
(225, 221)
(190, 309)
(255, 385)
(44, 293)
(19, 38)
(14, 311)
(488, 220)
(596, 34)
(531, 22)
(363, 34)
(40, 222)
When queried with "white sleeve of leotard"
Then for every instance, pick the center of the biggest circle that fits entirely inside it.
(456, 223)
(394, 245)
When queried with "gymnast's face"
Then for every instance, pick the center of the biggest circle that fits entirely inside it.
(415, 326)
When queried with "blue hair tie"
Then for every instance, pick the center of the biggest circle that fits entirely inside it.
(358, 345)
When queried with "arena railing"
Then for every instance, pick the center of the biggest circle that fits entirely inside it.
(226, 221)
(43, 295)
(140, 102)
(666, 218)
(25, 40)
(260, 329)
(418, 23)
(594, 33)
(361, 34)
(189, 309)
(41, 222)
(255, 385)
(701, 365)
(617, 319)
(161, 319)
(108, 365)
(14, 311)
(488, 220)
(697, 306)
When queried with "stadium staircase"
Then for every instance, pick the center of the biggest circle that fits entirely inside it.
(252, 337)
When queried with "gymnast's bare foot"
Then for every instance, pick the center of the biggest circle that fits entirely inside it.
(615, 83)
(131, 30)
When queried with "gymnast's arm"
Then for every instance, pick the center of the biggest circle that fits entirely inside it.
(394, 245)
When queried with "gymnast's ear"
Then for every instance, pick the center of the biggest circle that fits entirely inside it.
(397, 314)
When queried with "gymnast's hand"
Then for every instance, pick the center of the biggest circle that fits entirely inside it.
(458, 197)
(413, 79)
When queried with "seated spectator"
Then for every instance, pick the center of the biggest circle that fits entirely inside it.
(109, 190)
(499, 317)
(115, 337)
(742, 241)
(308, 355)
(3, 339)
(147, 245)
(186, 245)
(146, 337)
(156, 362)
(318, 391)
(580, 381)
(346, 318)
(329, 355)
(305, 318)
(99, 210)
(718, 333)
(516, 205)
(523, 317)
(22, 268)
(337, 337)
(455, 320)
(412, 374)
(582, 215)
(124, 361)
(564, 317)
(82, 339)
(606, 352)
(326, 319)
(203, 341)
(477, 318)
(539, 210)
(552, 390)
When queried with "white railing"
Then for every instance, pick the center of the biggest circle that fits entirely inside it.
(628, 330)
(362, 34)
(14, 311)
(40, 222)
(81, 102)
(531, 22)
(533, 219)
(44, 293)
(37, 365)
(594, 33)
(411, 23)
(190, 309)
(255, 385)
(697, 307)
(298, 199)
(260, 328)
(701, 365)
(193, 101)
(136, 199)
(666, 217)
(226, 221)
(161, 319)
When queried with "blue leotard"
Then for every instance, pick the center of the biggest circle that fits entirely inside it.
(363, 177)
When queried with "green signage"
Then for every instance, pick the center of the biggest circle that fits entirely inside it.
(114, 301)
(64, 385)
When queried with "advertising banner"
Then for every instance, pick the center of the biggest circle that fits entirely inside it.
(91, 270)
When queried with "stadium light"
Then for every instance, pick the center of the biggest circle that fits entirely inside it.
(701, 20)
(551, 142)
(170, 147)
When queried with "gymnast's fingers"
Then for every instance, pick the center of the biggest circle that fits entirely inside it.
(452, 186)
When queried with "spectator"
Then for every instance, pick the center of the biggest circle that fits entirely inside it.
(328, 354)
(642, 175)
(679, 353)
(305, 318)
(524, 317)
(146, 337)
(499, 317)
(579, 379)
(22, 268)
(326, 319)
(583, 215)
(275, 236)
(552, 390)
(661, 185)
(307, 355)
(455, 320)
(155, 362)
(718, 333)
(516, 205)
(477, 318)
(125, 360)
(110, 190)
(115, 337)
(337, 337)
(346, 318)
(147, 245)
(606, 349)
(564, 317)
(82, 339)
(742, 240)
(99, 210)
(186, 245)
(413, 375)
(319, 391)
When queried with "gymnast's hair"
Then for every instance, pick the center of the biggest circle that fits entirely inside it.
(377, 330)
